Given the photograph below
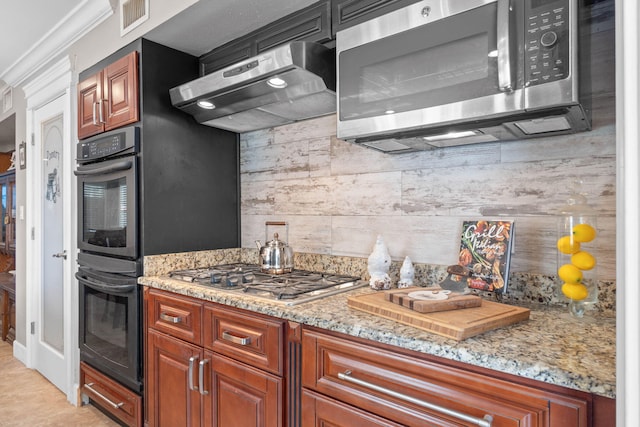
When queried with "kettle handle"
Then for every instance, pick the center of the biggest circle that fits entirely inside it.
(276, 224)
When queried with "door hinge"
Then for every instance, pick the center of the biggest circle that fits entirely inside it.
(33, 328)
(33, 233)
(33, 139)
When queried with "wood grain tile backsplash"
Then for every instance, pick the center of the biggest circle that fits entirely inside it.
(337, 197)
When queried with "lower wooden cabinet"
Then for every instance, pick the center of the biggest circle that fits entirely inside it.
(209, 364)
(234, 377)
(372, 385)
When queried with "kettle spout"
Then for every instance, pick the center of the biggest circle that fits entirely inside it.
(258, 244)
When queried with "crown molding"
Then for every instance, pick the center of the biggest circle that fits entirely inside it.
(85, 17)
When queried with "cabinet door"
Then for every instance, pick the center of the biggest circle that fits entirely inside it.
(120, 96)
(346, 13)
(172, 365)
(89, 106)
(241, 396)
(310, 24)
(227, 55)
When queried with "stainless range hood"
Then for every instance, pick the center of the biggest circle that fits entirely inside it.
(289, 83)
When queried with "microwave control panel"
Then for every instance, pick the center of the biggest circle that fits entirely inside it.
(547, 41)
(109, 144)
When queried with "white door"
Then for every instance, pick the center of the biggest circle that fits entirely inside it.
(51, 294)
(51, 300)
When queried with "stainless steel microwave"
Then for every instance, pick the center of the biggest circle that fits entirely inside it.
(450, 72)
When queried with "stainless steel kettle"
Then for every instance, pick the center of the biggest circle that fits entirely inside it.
(275, 257)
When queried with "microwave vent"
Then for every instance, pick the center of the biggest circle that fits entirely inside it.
(543, 125)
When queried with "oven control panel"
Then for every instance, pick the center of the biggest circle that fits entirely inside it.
(547, 42)
(109, 144)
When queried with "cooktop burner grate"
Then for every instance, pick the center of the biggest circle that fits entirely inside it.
(292, 288)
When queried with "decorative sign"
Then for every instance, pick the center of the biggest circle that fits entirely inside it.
(22, 155)
(485, 251)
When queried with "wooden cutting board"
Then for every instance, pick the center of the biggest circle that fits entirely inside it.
(454, 301)
(456, 324)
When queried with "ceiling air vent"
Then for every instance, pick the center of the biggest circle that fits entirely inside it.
(132, 14)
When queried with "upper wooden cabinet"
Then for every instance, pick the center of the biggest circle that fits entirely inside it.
(109, 98)
(312, 23)
(316, 23)
(346, 13)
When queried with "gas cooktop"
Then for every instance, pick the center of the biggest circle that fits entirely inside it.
(293, 288)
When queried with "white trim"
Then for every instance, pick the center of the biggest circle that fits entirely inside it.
(85, 17)
(56, 76)
(628, 211)
(7, 99)
(20, 352)
(56, 82)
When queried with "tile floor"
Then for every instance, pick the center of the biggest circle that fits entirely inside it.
(28, 399)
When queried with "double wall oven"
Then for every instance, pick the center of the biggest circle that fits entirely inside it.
(108, 262)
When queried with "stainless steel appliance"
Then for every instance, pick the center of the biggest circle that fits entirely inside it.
(296, 287)
(292, 82)
(110, 324)
(452, 72)
(107, 193)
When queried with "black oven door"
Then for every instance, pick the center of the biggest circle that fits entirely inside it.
(107, 201)
(110, 337)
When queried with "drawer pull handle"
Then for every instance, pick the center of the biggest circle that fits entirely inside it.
(236, 340)
(482, 422)
(103, 397)
(171, 319)
(201, 376)
(192, 360)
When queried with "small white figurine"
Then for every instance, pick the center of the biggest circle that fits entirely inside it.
(378, 266)
(407, 273)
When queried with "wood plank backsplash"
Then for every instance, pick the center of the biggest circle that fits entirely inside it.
(337, 197)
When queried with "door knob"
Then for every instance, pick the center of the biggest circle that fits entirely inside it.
(62, 254)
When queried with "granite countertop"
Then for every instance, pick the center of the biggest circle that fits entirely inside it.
(551, 346)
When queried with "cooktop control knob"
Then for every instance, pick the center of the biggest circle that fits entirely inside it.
(549, 38)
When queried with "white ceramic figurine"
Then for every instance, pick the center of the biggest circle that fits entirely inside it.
(378, 266)
(407, 273)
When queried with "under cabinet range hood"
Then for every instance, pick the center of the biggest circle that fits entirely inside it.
(292, 82)
(440, 73)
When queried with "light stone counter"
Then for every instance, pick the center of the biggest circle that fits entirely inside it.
(551, 346)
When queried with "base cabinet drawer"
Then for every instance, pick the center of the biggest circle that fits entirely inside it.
(318, 410)
(114, 398)
(176, 315)
(412, 391)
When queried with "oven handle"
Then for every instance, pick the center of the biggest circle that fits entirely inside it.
(115, 167)
(103, 287)
(103, 397)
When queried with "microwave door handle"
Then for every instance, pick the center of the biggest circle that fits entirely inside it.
(103, 287)
(504, 49)
(115, 167)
